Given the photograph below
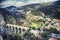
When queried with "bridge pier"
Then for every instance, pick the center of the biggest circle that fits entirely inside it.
(19, 30)
(16, 29)
(10, 28)
(13, 29)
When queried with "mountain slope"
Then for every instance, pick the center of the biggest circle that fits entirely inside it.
(7, 17)
(20, 14)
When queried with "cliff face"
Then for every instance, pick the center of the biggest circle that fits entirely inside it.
(1, 20)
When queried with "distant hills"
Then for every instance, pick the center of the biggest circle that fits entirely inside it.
(17, 15)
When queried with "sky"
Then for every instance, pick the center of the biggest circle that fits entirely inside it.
(17, 3)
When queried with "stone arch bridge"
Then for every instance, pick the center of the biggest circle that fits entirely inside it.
(9, 28)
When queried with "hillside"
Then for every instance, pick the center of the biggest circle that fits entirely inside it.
(31, 14)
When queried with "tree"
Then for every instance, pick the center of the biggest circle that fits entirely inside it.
(53, 30)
